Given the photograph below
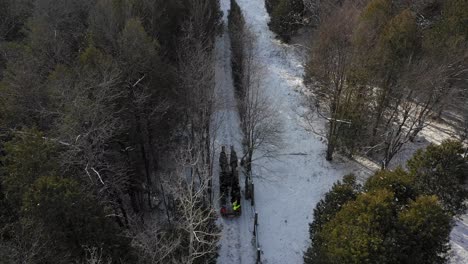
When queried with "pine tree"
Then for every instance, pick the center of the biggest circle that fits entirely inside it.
(362, 231)
(236, 26)
(424, 230)
(449, 34)
(72, 218)
(28, 156)
(286, 17)
(400, 182)
(325, 210)
(442, 170)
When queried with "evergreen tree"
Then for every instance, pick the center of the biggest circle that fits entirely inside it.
(442, 170)
(136, 63)
(325, 210)
(28, 156)
(236, 26)
(424, 230)
(286, 16)
(362, 231)
(450, 33)
(400, 182)
(72, 219)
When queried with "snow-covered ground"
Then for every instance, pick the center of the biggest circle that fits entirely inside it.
(287, 188)
(459, 241)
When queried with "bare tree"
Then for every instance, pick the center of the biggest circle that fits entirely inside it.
(196, 71)
(95, 256)
(28, 244)
(197, 217)
(192, 235)
(262, 129)
(155, 242)
(430, 81)
(422, 89)
(330, 60)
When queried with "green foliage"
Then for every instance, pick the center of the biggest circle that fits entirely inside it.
(22, 88)
(136, 56)
(450, 33)
(424, 234)
(442, 170)
(377, 12)
(28, 157)
(236, 26)
(71, 217)
(355, 110)
(374, 229)
(325, 210)
(398, 181)
(91, 56)
(57, 30)
(360, 232)
(372, 20)
(106, 21)
(286, 16)
(399, 40)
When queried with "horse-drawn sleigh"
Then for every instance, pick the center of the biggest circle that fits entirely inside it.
(230, 193)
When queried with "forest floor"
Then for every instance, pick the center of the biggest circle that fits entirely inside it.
(288, 186)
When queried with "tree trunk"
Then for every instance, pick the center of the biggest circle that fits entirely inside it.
(249, 160)
(330, 150)
(331, 140)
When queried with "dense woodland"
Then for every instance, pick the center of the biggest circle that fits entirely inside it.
(104, 110)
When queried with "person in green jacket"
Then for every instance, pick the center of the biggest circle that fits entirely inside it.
(236, 206)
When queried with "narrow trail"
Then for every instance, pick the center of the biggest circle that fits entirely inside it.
(236, 236)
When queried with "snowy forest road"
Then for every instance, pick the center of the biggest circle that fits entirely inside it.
(237, 233)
